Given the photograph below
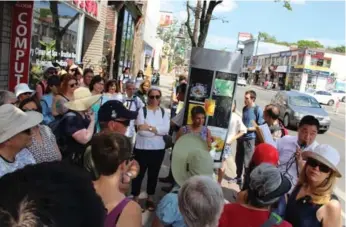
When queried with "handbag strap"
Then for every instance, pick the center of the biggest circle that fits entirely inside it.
(113, 216)
(274, 219)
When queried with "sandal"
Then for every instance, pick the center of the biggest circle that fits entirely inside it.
(150, 205)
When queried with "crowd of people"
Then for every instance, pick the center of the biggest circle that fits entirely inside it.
(74, 152)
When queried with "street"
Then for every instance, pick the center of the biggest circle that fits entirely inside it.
(335, 136)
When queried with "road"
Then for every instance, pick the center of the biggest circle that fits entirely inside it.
(335, 136)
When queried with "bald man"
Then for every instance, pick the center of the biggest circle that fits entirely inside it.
(271, 115)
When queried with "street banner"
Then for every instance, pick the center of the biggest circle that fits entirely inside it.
(20, 43)
(212, 83)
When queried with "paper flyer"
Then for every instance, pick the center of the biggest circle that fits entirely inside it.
(219, 136)
(209, 106)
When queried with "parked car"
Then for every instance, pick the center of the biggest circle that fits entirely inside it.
(324, 97)
(295, 105)
(241, 81)
(339, 94)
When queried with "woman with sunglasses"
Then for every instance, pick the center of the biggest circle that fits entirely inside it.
(68, 85)
(111, 154)
(43, 147)
(312, 203)
(152, 125)
(139, 78)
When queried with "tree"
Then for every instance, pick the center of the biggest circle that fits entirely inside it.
(59, 33)
(309, 44)
(339, 49)
(203, 14)
(263, 36)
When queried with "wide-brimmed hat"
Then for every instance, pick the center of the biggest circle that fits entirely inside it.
(22, 88)
(13, 121)
(190, 157)
(326, 155)
(83, 99)
(267, 184)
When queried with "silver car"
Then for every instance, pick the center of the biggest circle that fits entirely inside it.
(295, 105)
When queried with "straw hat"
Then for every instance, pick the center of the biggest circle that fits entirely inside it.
(190, 157)
(83, 99)
(13, 121)
(326, 155)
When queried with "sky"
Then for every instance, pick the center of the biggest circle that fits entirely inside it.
(323, 21)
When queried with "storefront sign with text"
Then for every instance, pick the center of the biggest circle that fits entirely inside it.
(88, 6)
(20, 43)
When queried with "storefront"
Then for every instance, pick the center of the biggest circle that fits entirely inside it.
(41, 32)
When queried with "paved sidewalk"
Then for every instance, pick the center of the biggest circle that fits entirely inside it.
(229, 188)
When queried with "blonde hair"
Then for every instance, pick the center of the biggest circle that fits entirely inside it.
(142, 84)
(322, 193)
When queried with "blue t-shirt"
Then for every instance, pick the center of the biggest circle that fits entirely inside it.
(168, 211)
(46, 104)
(250, 114)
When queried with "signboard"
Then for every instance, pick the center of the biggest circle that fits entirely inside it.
(88, 6)
(315, 54)
(20, 43)
(243, 36)
(166, 19)
(212, 83)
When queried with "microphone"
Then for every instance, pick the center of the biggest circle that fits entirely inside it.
(302, 146)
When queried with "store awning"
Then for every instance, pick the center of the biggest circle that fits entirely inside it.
(281, 69)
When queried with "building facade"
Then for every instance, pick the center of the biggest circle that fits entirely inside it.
(298, 69)
(103, 35)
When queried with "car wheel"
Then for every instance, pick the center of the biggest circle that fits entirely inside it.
(330, 102)
(286, 120)
(343, 99)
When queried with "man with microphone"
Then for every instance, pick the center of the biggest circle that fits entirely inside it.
(291, 147)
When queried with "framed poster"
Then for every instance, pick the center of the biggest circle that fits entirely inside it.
(200, 84)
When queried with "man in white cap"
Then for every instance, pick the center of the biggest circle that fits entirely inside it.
(15, 136)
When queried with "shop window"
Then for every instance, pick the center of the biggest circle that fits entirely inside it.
(300, 60)
(327, 63)
(45, 45)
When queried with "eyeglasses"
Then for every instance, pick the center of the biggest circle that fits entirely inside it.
(154, 97)
(73, 85)
(31, 110)
(322, 167)
(126, 123)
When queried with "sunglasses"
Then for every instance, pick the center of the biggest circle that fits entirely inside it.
(154, 97)
(27, 93)
(126, 123)
(73, 85)
(31, 110)
(322, 167)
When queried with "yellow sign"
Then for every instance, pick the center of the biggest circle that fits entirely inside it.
(313, 67)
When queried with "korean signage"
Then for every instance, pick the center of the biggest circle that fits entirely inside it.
(20, 43)
(88, 6)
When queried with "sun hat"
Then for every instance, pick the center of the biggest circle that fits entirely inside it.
(83, 99)
(265, 153)
(114, 109)
(190, 157)
(22, 88)
(326, 155)
(13, 121)
(267, 184)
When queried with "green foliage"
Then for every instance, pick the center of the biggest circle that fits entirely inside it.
(339, 49)
(309, 44)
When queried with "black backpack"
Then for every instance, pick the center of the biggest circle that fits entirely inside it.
(57, 128)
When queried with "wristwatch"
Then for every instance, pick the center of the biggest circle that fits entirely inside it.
(150, 128)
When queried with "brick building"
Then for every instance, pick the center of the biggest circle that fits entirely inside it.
(96, 33)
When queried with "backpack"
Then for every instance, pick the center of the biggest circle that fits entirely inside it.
(57, 128)
(166, 138)
(274, 219)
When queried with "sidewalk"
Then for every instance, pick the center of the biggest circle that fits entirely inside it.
(229, 189)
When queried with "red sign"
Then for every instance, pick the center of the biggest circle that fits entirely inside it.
(20, 43)
(88, 6)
